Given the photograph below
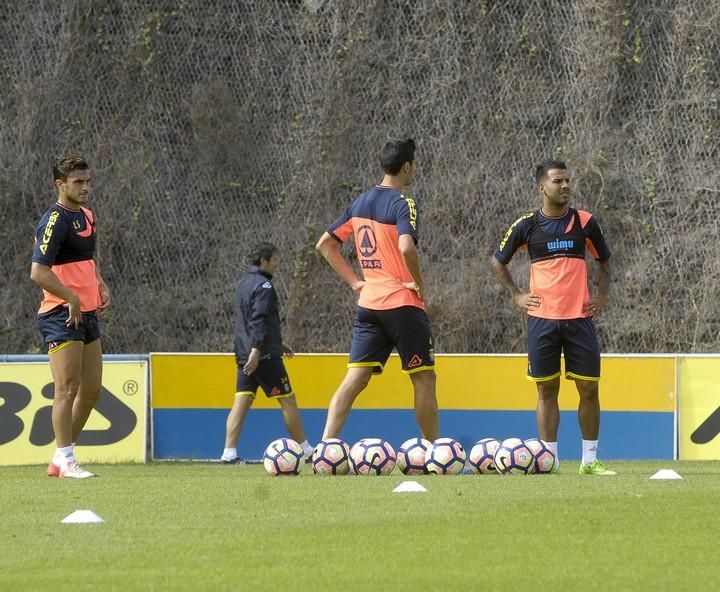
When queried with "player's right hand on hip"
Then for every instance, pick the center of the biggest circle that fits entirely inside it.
(74, 315)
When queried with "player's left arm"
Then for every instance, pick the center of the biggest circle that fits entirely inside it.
(598, 300)
(601, 253)
(409, 253)
(407, 229)
(103, 289)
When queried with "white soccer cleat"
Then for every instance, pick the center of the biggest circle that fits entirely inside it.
(74, 471)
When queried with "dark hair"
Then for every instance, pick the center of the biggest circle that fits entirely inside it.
(542, 169)
(64, 165)
(395, 154)
(260, 251)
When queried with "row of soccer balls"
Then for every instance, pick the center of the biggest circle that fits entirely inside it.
(416, 456)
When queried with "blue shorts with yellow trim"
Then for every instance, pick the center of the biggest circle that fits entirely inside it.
(376, 332)
(270, 375)
(56, 332)
(575, 339)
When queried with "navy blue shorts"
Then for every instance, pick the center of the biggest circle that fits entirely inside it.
(376, 332)
(270, 375)
(56, 332)
(576, 339)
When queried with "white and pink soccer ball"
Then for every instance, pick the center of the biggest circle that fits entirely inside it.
(331, 457)
(482, 456)
(445, 456)
(372, 456)
(283, 456)
(513, 457)
(411, 456)
(543, 458)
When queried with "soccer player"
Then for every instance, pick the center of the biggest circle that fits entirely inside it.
(74, 293)
(390, 310)
(258, 351)
(559, 306)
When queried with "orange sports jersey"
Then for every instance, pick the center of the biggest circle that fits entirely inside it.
(558, 273)
(65, 242)
(376, 219)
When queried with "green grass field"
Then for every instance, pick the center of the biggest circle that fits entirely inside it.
(199, 526)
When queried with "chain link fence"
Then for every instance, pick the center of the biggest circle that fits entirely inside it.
(212, 125)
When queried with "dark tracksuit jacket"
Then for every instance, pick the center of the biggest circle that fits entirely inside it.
(257, 316)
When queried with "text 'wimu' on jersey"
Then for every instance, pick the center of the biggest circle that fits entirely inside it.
(376, 219)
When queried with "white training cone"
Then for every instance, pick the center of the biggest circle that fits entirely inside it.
(82, 517)
(409, 487)
(666, 474)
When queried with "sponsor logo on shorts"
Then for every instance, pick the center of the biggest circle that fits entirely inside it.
(415, 361)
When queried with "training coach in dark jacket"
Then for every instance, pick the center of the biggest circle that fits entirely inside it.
(258, 352)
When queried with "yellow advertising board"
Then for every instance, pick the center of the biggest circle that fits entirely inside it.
(115, 431)
(465, 381)
(699, 408)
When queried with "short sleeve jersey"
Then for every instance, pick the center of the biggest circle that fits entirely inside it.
(65, 241)
(376, 219)
(558, 272)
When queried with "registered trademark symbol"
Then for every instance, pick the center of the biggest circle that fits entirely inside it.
(130, 387)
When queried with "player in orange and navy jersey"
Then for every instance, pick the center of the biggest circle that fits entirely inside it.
(559, 305)
(390, 311)
(63, 266)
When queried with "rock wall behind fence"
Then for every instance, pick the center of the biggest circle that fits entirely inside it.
(211, 125)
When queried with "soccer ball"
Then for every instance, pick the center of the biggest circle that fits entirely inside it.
(543, 458)
(482, 456)
(283, 456)
(372, 456)
(411, 456)
(331, 457)
(513, 456)
(445, 456)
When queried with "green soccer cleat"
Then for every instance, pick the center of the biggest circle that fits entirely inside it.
(595, 468)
